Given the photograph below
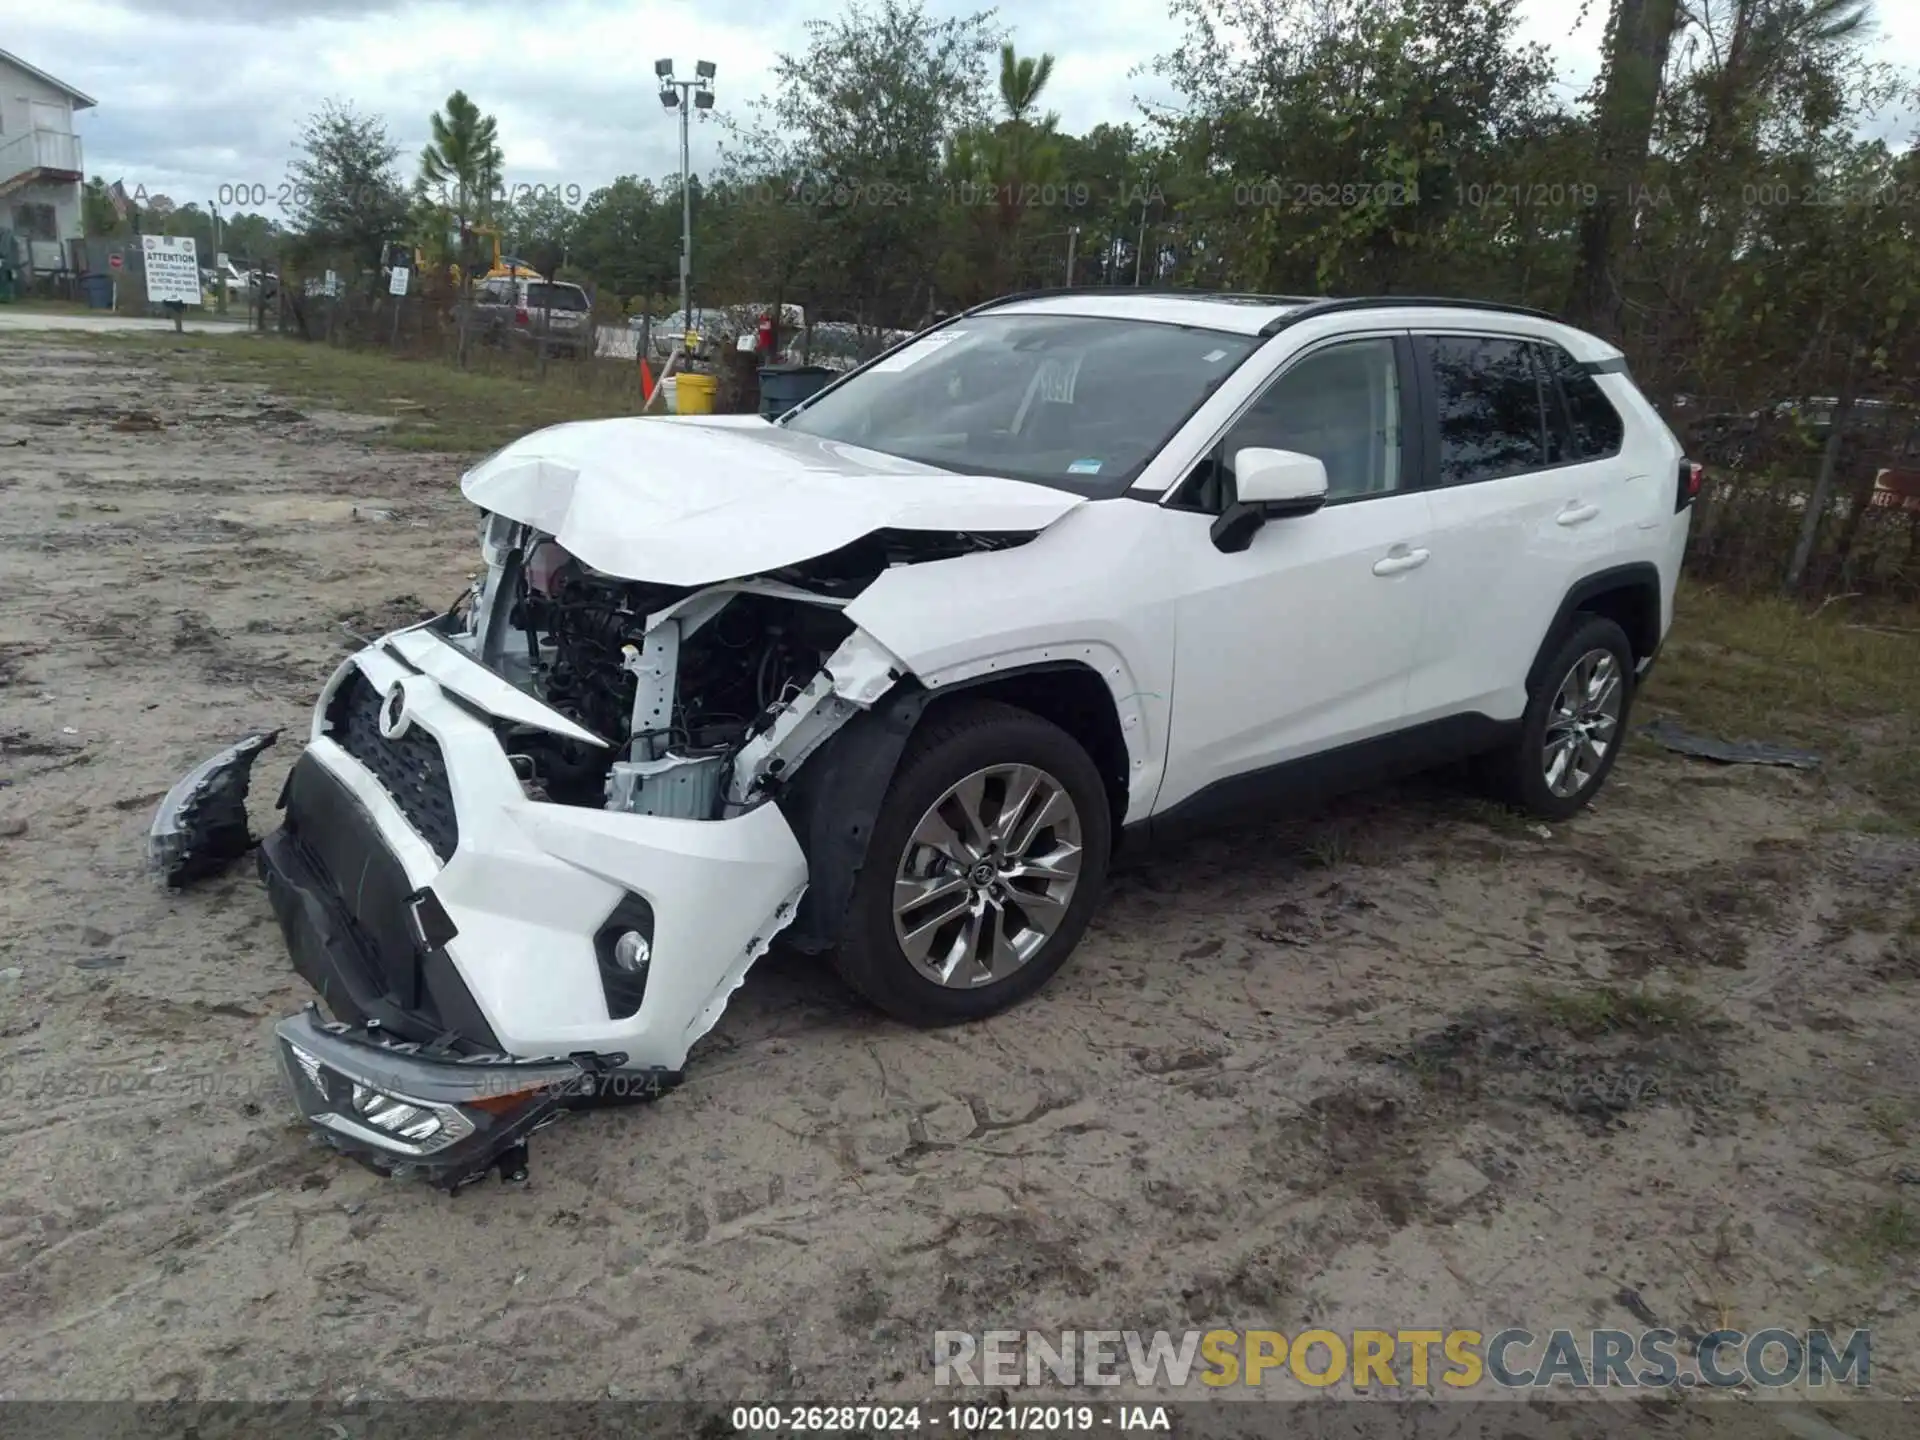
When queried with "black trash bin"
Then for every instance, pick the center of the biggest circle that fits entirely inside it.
(784, 386)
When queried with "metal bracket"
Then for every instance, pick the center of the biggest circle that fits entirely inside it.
(656, 671)
(854, 677)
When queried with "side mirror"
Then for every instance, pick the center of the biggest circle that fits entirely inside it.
(1268, 485)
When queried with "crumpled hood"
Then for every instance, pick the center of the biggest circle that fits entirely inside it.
(692, 501)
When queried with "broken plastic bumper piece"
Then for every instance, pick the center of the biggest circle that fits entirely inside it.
(201, 826)
(408, 1110)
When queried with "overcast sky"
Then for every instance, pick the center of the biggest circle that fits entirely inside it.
(196, 95)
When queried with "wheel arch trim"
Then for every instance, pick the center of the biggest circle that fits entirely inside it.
(1641, 576)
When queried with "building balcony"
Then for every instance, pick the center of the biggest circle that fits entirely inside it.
(39, 156)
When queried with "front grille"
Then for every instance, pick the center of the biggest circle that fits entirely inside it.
(410, 768)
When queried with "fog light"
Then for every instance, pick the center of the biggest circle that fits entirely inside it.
(631, 952)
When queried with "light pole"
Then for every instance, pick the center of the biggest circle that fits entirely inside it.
(686, 95)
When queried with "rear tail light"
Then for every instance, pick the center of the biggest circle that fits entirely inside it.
(1692, 474)
(520, 316)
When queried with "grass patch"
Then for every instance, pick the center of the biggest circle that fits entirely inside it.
(435, 406)
(1607, 1010)
(1884, 1237)
(1765, 669)
(53, 307)
(1890, 1120)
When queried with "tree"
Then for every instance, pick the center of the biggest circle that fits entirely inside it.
(1747, 41)
(627, 236)
(97, 215)
(1012, 162)
(854, 134)
(347, 201)
(460, 169)
(539, 227)
(1339, 144)
(248, 237)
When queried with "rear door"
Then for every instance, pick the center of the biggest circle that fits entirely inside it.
(1524, 504)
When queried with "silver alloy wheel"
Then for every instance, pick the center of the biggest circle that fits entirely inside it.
(987, 876)
(1584, 723)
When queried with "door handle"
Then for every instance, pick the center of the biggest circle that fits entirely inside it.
(1577, 513)
(1399, 560)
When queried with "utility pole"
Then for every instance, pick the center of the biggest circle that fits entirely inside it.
(1140, 249)
(219, 273)
(686, 95)
(1073, 239)
(686, 222)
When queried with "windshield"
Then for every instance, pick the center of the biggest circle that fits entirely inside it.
(556, 297)
(1071, 401)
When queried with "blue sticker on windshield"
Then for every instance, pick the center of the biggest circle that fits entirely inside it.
(1084, 467)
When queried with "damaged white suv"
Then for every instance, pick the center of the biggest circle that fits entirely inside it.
(892, 677)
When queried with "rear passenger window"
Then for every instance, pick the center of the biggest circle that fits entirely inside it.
(1596, 425)
(1489, 403)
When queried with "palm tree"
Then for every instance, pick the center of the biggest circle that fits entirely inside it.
(1021, 82)
(462, 165)
(1023, 153)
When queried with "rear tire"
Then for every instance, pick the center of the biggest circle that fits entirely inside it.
(1574, 725)
(985, 863)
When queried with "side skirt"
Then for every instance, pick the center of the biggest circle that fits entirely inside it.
(1300, 784)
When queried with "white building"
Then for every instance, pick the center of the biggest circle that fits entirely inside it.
(40, 165)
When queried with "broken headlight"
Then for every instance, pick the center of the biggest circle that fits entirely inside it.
(364, 1112)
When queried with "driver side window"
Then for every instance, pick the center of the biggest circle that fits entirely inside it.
(1341, 404)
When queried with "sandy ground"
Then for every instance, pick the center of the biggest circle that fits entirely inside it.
(1296, 1075)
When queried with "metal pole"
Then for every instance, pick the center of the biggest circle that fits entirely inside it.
(686, 210)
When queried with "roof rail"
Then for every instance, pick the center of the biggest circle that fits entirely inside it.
(1170, 291)
(1315, 308)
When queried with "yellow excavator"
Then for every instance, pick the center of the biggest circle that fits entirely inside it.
(504, 267)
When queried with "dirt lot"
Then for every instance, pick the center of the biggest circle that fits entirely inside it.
(1410, 1062)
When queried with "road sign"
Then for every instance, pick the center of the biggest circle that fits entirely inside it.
(173, 269)
(113, 262)
(397, 281)
(220, 260)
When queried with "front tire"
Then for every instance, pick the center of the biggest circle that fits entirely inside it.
(1575, 723)
(984, 866)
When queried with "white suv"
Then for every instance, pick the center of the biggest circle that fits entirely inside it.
(894, 677)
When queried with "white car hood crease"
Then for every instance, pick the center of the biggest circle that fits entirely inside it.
(680, 501)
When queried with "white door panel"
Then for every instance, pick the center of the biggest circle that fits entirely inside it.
(1516, 518)
(1505, 552)
(1296, 644)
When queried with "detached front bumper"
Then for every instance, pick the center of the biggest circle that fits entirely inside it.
(463, 936)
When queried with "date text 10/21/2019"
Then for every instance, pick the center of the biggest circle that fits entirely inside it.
(955, 1419)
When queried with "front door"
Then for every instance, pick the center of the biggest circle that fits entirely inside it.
(1302, 642)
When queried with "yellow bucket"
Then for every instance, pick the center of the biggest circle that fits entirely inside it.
(694, 394)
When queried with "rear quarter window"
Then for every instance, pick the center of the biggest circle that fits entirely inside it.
(557, 297)
(1597, 430)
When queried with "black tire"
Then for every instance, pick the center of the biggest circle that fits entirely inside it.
(951, 744)
(1518, 774)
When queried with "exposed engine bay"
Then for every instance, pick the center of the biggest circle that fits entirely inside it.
(698, 693)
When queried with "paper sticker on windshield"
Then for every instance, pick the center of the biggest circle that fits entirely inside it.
(1084, 467)
(1214, 356)
(919, 350)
